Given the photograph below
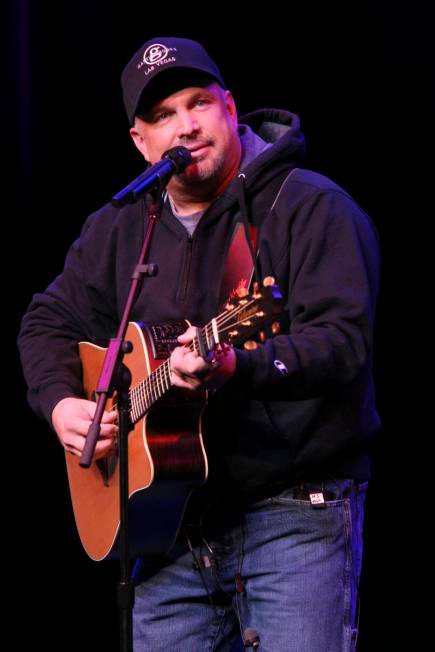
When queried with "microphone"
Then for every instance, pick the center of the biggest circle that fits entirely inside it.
(173, 161)
(251, 638)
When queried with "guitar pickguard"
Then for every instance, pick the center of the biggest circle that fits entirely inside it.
(163, 337)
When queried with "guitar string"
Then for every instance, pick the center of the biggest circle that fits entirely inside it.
(159, 380)
(161, 375)
(208, 329)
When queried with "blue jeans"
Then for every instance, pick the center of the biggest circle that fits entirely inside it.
(284, 568)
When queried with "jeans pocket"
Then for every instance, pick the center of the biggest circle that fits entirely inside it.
(331, 491)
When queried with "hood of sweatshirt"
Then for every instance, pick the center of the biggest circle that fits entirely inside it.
(281, 132)
(272, 143)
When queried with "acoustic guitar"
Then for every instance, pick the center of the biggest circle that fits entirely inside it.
(166, 454)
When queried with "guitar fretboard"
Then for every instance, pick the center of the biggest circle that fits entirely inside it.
(148, 391)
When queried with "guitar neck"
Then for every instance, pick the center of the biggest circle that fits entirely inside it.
(146, 393)
(243, 315)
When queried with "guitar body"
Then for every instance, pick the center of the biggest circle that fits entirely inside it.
(166, 455)
(166, 459)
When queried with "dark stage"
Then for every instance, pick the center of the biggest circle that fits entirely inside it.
(356, 79)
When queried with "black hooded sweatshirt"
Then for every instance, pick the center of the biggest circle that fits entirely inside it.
(264, 429)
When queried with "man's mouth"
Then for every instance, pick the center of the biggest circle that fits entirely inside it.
(198, 149)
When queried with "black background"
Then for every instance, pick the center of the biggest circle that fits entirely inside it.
(358, 78)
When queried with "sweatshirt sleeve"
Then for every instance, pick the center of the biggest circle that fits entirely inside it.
(68, 311)
(330, 267)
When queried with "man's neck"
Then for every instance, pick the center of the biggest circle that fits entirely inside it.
(188, 206)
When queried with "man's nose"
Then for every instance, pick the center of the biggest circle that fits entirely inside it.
(187, 124)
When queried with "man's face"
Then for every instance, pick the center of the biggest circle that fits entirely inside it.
(204, 120)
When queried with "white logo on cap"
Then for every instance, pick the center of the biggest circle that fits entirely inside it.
(155, 53)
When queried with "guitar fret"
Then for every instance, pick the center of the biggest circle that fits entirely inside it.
(164, 378)
(153, 389)
(136, 400)
(168, 374)
(132, 405)
(137, 404)
(143, 395)
(131, 411)
(147, 393)
(157, 384)
(161, 379)
(138, 409)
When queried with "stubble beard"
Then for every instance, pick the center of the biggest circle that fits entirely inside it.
(204, 171)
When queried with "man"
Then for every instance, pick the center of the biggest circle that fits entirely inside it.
(271, 545)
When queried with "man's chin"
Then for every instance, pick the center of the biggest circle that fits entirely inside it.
(199, 170)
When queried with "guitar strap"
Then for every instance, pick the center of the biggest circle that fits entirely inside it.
(239, 266)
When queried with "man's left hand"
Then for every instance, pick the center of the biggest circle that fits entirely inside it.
(190, 371)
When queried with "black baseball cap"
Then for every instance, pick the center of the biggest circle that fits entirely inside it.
(159, 62)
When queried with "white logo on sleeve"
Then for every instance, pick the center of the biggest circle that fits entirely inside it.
(281, 367)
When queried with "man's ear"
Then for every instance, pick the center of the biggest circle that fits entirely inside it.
(139, 141)
(231, 105)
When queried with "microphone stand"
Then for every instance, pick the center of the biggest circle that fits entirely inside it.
(113, 377)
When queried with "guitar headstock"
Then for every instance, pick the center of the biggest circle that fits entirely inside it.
(249, 312)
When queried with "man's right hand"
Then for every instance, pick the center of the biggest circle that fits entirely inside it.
(71, 419)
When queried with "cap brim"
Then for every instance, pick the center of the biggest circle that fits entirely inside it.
(171, 81)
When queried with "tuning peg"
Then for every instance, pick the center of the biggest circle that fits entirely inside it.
(268, 280)
(250, 345)
(242, 292)
(229, 306)
(276, 327)
(262, 336)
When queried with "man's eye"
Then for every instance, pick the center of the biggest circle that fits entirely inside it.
(161, 116)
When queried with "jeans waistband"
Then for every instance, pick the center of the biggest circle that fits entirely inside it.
(332, 489)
